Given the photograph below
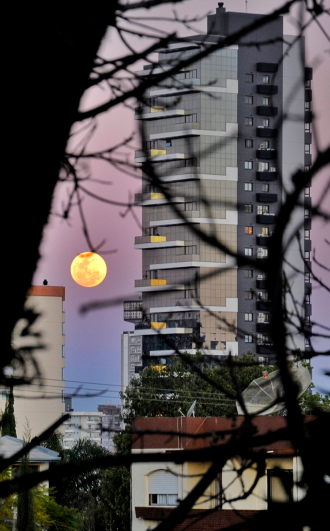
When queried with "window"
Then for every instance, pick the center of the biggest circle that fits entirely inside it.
(265, 187)
(262, 209)
(214, 345)
(248, 230)
(263, 318)
(279, 486)
(262, 276)
(307, 278)
(307, 105)
(248, 316)
(307, 128)
(248, 208)
(307, 149)
(168, 143)
(249, 100)
(248, 273)
(307, 299)
(307, 213)
(192, 205)
(163, 488)
(265, 122)
(248, 187)
(264, 144)
(307, 192)
(154, 274)
(308, 83)
(307, 168)
(307, 235)
(218, 205)
(248, 78)
(248, 251)
(248, 295)
(191, 118)
(4, 394)
(265, 231)
(266, 79)
(248, 338)
(190, 249)
(263, 166)
(63, 351)
(265, 101)
(248, 143)
(248, 164)
(262, 295)
(151, 144)
(307, 255)
(248, 120)
(262, 253)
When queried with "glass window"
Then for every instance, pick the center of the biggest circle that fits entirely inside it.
(265, 187)
(279, 486)
(248, 164)
(307, 255)
(308, 83)
(248, 120)
(307, 168)
(266, 79)
(248, 187)
(307, 235)
(262, 209)
(248, 316)
(248, 338)
(265, 122)
(264, 144)
(248, 208)
(307, 105)
(249, 295)
(307, 148)
(263, 166)
(163, 488)
(248, 230)
(265, 101)
(248, 273)
(249, 100)
(262, 295)
(248, 251)
(248, 143)
(192, 205)
(265, 231)
(307, 127)
(307, 192)
(168, 143)
(248, 78)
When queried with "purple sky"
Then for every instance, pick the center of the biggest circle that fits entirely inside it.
(93, 340)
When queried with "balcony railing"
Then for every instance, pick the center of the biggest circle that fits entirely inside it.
(266, 132)
(139, 198)
(142, 283)
(267, 89)
(267, 198)
(266, 219)
(267, 175)
(267, 110)
(150, 239)
(267, 154)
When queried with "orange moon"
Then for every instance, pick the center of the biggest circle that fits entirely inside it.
(88, 269)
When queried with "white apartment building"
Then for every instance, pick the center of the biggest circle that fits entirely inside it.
(81, 425)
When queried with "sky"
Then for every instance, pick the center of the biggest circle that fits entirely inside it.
(93, 340)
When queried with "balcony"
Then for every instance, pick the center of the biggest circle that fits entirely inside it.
(263, 327)
(308, 95)
(262, 284)
(266, 219)
(308, 73)
(141, 198)
(264, 306)
(267, 175)
(142, 155)
(267, 110)
(267, 198)
(267, 68)
(265, 349)
(266, 132)
(267, 89)
(308, 116)
(156, 284)
(149, 239)
(267, 154)
(263, 240)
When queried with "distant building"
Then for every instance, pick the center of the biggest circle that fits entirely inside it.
(111, 424)
(131, 356)
(42, 402)
(83, 425)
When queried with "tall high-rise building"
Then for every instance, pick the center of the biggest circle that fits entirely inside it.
(224, 134)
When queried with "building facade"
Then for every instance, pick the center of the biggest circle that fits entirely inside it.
(224, 135)
(111, 424)
(41, 403)
(158, 486)
(83, 425)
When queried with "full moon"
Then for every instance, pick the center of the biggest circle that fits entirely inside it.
(88, 269)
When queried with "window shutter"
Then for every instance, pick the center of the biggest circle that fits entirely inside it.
(163, 482)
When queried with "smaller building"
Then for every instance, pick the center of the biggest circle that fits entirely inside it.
(233, 498)
(110, 424)
(83, 425)
(39, 457)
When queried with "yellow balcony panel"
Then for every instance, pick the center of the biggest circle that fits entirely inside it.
(157, 282)
(157, 108)
(155, 195)
(157, 152)
(157, 239)
(157, 326)
(158, 368)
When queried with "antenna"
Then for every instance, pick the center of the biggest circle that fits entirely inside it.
(246, 5)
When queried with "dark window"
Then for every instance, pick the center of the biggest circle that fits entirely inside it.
(307, 105)
(248, 143)
(249, 295)
(191, 206)
(168, 143)
(248, 120)
(265, 187)
(248, 78)
(248, 208)
(248, 273)
(279, 486)
(249, 100)
(248, 338)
